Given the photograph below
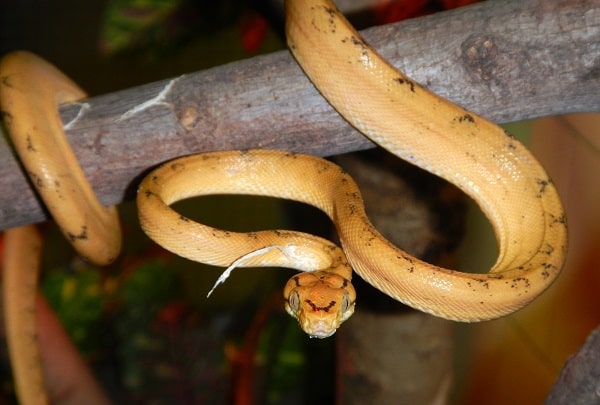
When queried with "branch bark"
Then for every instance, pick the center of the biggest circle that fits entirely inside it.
(578, 380)
(506, 60)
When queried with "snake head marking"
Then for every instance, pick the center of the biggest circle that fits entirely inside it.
(320, 301)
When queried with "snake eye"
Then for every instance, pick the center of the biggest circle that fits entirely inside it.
(294, 301)
(345, 303)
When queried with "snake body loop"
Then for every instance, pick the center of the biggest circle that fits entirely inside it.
(31, 90)
(330, 299)
(509, 185)
(500, 174)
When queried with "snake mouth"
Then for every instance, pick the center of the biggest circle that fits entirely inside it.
(321, 333)
(319, 328)
(321, 336)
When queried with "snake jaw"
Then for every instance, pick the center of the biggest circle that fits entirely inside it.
(320, 301)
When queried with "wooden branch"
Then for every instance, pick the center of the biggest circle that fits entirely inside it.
(506, 60)
(578, 379)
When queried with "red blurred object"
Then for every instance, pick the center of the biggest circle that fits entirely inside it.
(449, 4)
(173, 313)
(389, 11)
(254, 29)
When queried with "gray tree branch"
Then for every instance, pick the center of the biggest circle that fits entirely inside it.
(506, 60)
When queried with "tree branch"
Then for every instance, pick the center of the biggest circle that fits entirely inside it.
(506, 60)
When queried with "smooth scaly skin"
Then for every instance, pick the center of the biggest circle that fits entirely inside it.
(20, 269)
(329, 301)
(476, 155)
(510, 186)
(30, 91)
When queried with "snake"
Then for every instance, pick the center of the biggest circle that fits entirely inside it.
(31, 90)
(489, 165)
(510, 186)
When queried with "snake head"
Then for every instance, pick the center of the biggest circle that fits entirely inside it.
(320, 301)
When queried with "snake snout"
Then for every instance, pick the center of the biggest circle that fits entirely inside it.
(320, 330)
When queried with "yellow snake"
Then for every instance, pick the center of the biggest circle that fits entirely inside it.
(493, 168)
(30, 91)
(476, 155)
